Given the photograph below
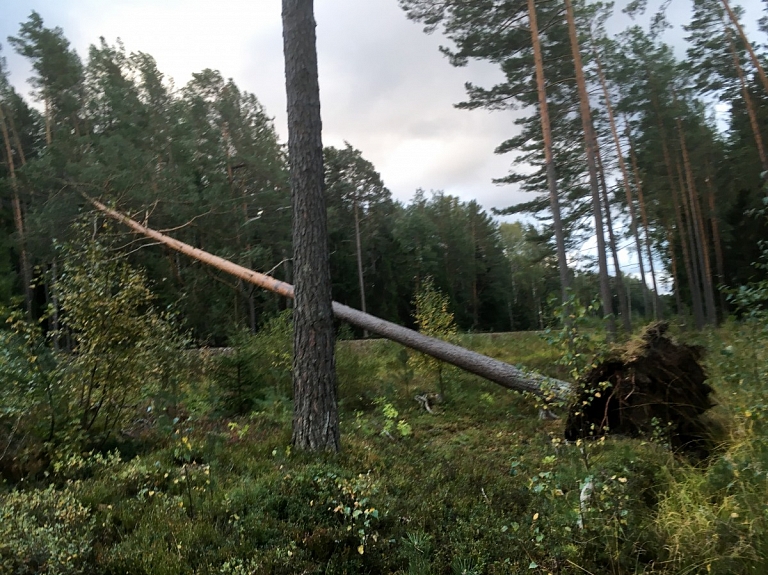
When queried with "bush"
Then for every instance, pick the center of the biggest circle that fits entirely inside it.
(46, 532)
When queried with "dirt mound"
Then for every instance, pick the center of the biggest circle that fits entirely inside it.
(651, 387)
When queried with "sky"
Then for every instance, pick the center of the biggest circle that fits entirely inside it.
(385, 88)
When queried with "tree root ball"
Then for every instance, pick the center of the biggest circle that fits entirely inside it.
(651, 387)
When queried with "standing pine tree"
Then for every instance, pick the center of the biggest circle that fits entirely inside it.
(315, 415)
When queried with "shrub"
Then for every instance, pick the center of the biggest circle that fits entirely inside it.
(46, 532)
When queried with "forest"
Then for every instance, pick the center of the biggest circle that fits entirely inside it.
(152, 407)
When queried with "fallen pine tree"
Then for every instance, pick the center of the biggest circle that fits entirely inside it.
(650, 384)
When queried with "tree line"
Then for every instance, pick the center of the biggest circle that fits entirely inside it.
(623, 136)
(204, 163)
(620, 146)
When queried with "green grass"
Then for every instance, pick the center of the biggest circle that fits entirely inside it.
(482, 486)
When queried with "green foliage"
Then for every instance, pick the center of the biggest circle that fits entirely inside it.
(434, 319)
(255, 367)
(46, 531)
(124, 350)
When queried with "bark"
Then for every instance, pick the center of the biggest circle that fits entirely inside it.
(675, 278)
(747, 101)
(752, 55)
(646, 227)
(586, 122)
(623, 303)
(716, 240)
(26, 270)
(315, 415)
(549, 157)
(698, 311)
(359, 253)
(625, 179)
(699, 233)
(685, 227)
(492, 369)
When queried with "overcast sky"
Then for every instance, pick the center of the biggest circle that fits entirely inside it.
(385, 88)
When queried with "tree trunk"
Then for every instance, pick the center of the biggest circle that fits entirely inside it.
(644, 216)
(718, 246)
(688, 242)
(699, 232)
(698, 311)
(359, 253)
(623, 305)
(492, 369)
(549, 158)
(675, 278)
(315, 414)
(586, 122)
(26, 270)
(748, 102)
(625, 179)
(752, 55)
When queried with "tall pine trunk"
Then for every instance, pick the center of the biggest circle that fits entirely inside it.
(586, 122)
(549, 158)
(747, 44)
(18, 218)
(753, 122)
(699, 232)
(625, 179)
(315, 414)
(359, 253)
(623, 303)
(644, 216)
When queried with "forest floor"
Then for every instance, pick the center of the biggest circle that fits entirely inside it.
(480, 486)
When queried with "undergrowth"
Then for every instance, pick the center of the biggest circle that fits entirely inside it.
(482, 486)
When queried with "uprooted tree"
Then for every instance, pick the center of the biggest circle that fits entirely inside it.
(650, 384)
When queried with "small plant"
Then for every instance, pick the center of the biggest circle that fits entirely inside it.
(391, 421)
(433, 318)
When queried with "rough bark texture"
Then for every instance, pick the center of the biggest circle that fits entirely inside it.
(315, 416)
(492, 369)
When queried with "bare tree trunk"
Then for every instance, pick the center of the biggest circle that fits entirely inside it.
(623, 305)
(492, 369)
(752, 55)
(359, 252)
(26, 270)
(625, 178)
(698, 310)
(586, 122)
(675, 278)
(549, 159)
(718, 245)
(644, 216)
(699, 232)
(689, 248)
(315, 414)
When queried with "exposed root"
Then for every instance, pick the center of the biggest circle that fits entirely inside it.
(651, 387)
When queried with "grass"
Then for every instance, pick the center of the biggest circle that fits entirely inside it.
(482, 486)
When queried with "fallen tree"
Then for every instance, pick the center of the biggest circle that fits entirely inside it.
(478, 364)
